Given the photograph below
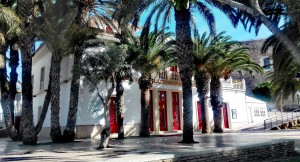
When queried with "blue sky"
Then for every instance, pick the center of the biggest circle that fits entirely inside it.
(222, 24)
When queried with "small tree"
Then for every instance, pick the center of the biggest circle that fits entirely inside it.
(263, 91)
(99, 66)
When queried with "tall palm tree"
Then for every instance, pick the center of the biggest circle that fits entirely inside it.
(81, 19)
(231, 57)
(9, 31)
(203, 54)
(285, 67)
(182, 10)
(51, 27)
(147, 56)
(25, 10)
(11, 37)
(85, 8)
(284, 84)
(183, 20)
(255, 9)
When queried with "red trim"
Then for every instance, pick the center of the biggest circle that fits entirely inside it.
(113, 116)
(163, 116)
(199, 115)
(225, 115)
(176, 111)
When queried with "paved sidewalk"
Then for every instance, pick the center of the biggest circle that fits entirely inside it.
(138, 149)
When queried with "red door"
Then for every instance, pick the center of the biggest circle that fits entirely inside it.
(176, 111)
(199, 115)
(151, 111)
(163, 110)
(113, 116)
(225, 116)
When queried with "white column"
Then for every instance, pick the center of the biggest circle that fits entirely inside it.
(169, 111)
(155, 111)
(181, 110)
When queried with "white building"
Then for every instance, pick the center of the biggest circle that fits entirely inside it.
(166, 100)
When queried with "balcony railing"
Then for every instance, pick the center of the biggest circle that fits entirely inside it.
(167, 76)
(174, 77)
(233, 84)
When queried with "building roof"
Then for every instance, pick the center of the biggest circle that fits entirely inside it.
(254, 100)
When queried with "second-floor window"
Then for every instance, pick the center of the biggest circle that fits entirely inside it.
(42, 78)
(267, 63)
(174, 69)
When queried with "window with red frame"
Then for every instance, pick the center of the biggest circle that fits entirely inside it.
(174, 69)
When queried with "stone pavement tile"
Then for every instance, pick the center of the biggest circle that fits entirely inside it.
(137, 149)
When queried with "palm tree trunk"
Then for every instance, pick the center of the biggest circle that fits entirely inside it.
(256, 11)
(25, 10)
(81, 19)
(145, 84)
(12, 132)
(202, 84)
(217, 104)
(69, 132)
(55, 97)
(120, 106)
(13, 63)
(29, 135)
(185, 60)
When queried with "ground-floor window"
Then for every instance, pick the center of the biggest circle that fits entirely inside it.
(262, 112)
(256, 111)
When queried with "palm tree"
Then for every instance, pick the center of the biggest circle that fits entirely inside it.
(25, 10)
(9, 30)
(11, 37)
(85, 7)
(148, 56)
(231, 57)
(285, 67)
(81, 19)
(163, 9)
(284, 84)
(185, 54)
(51, 28)
(253, 9)
(203, 54)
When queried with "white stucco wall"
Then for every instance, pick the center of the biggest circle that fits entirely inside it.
(90, 111)
(236, 99)
(253, 104)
